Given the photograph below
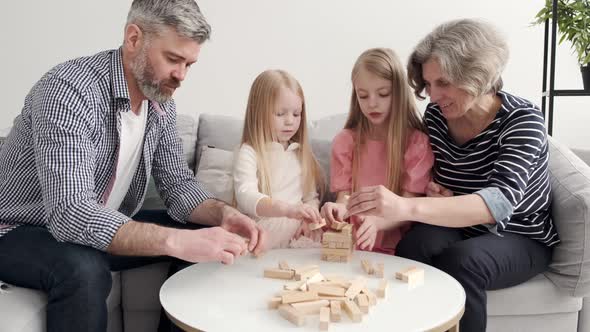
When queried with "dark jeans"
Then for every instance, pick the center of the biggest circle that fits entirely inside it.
(76, 278)
(486, 262)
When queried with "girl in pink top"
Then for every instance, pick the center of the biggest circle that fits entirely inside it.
(383, 143)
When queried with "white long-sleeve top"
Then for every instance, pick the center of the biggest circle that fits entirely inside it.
(285, 180)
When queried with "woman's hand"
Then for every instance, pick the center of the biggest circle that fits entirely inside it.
(379, 201)
(367, 232)
(436, 190)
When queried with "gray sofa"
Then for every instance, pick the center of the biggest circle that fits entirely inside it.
(553, 301)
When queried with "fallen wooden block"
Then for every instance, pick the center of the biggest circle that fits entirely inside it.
(275, 302)
(367, 266)
(363, 303)
(307, 271)
(372, 297)
(355, 288)
(311, 307)
(278, 274)
(326, 289)
(299, 297)
(324, 318)
(352, 310)
(291, 314)
(414, 276)
(381, 291)
(294, 285)
(379, 270)
(335, 311)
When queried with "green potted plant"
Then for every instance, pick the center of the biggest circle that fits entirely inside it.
(573, 22)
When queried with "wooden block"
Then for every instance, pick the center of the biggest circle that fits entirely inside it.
(379, 270)
(367, 266)
(402, 275)
(299, 297)
(283, 265)
(363, 303)
(372, 297)
(306, 270)
(326, 289)
(294, 285)
(275, 302)
(324, 319)
(335, 311)
(352, 310)
(382, 290)
(313, 226)
(331, 298)
(355, 288)
(291, 314)
(335, 251)
(338, 225)
(415, 277)
(278, 274)
(318, 277)
(311, 307)
(306, 275)
(347, 229)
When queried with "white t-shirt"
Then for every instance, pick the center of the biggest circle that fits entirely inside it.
(130, 150)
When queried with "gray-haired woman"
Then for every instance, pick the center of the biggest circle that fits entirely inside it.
(486, 221)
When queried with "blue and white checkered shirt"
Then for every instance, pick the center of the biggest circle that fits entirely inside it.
(57, 163)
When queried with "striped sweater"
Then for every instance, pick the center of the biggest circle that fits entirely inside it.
(509, 159)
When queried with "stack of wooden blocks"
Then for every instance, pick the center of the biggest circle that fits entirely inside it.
(337, 244)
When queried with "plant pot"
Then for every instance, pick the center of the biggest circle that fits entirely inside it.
(586, 76)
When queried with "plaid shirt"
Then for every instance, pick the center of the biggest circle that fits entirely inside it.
(58, 162)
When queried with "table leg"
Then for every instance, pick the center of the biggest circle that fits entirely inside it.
(454, 328)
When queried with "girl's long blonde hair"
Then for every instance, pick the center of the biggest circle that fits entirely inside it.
(262, 103)
(403, 117)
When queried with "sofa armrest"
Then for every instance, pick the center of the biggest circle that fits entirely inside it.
(584, 154)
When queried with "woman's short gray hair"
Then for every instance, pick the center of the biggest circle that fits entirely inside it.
(152, 16)
(471, 53)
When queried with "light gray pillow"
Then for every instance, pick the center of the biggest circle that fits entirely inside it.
(215, 172)
(570, 181)
(218, 131)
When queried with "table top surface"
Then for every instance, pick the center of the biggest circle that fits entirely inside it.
(216, 297)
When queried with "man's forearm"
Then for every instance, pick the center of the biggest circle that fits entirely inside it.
(209, 213)
(141, 239)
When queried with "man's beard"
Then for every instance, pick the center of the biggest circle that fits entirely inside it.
(152, 89)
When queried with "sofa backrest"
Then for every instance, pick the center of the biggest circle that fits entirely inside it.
(570, 181)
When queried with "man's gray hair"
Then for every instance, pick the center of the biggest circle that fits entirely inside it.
(184, 16)
(471, 53)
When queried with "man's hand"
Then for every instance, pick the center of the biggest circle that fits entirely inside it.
(206, 245)
(234, 221)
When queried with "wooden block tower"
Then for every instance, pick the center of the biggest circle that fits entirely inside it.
(337, 244)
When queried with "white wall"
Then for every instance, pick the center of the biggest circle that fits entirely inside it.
(317, 41)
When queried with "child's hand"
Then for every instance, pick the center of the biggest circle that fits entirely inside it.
(436, 190)
(367, 232)
(333, 212)
(303, 212)
(315, 235)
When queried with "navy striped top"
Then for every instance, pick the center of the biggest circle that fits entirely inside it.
(506, 164)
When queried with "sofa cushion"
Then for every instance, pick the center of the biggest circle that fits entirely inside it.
(23, 309)
(215, 172)
(570, 181)
(537, 296)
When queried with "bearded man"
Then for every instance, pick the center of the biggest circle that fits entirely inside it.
(75, 168)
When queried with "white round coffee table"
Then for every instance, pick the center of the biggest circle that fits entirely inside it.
(215, 297)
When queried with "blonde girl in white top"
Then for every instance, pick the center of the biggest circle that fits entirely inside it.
(276, 176)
